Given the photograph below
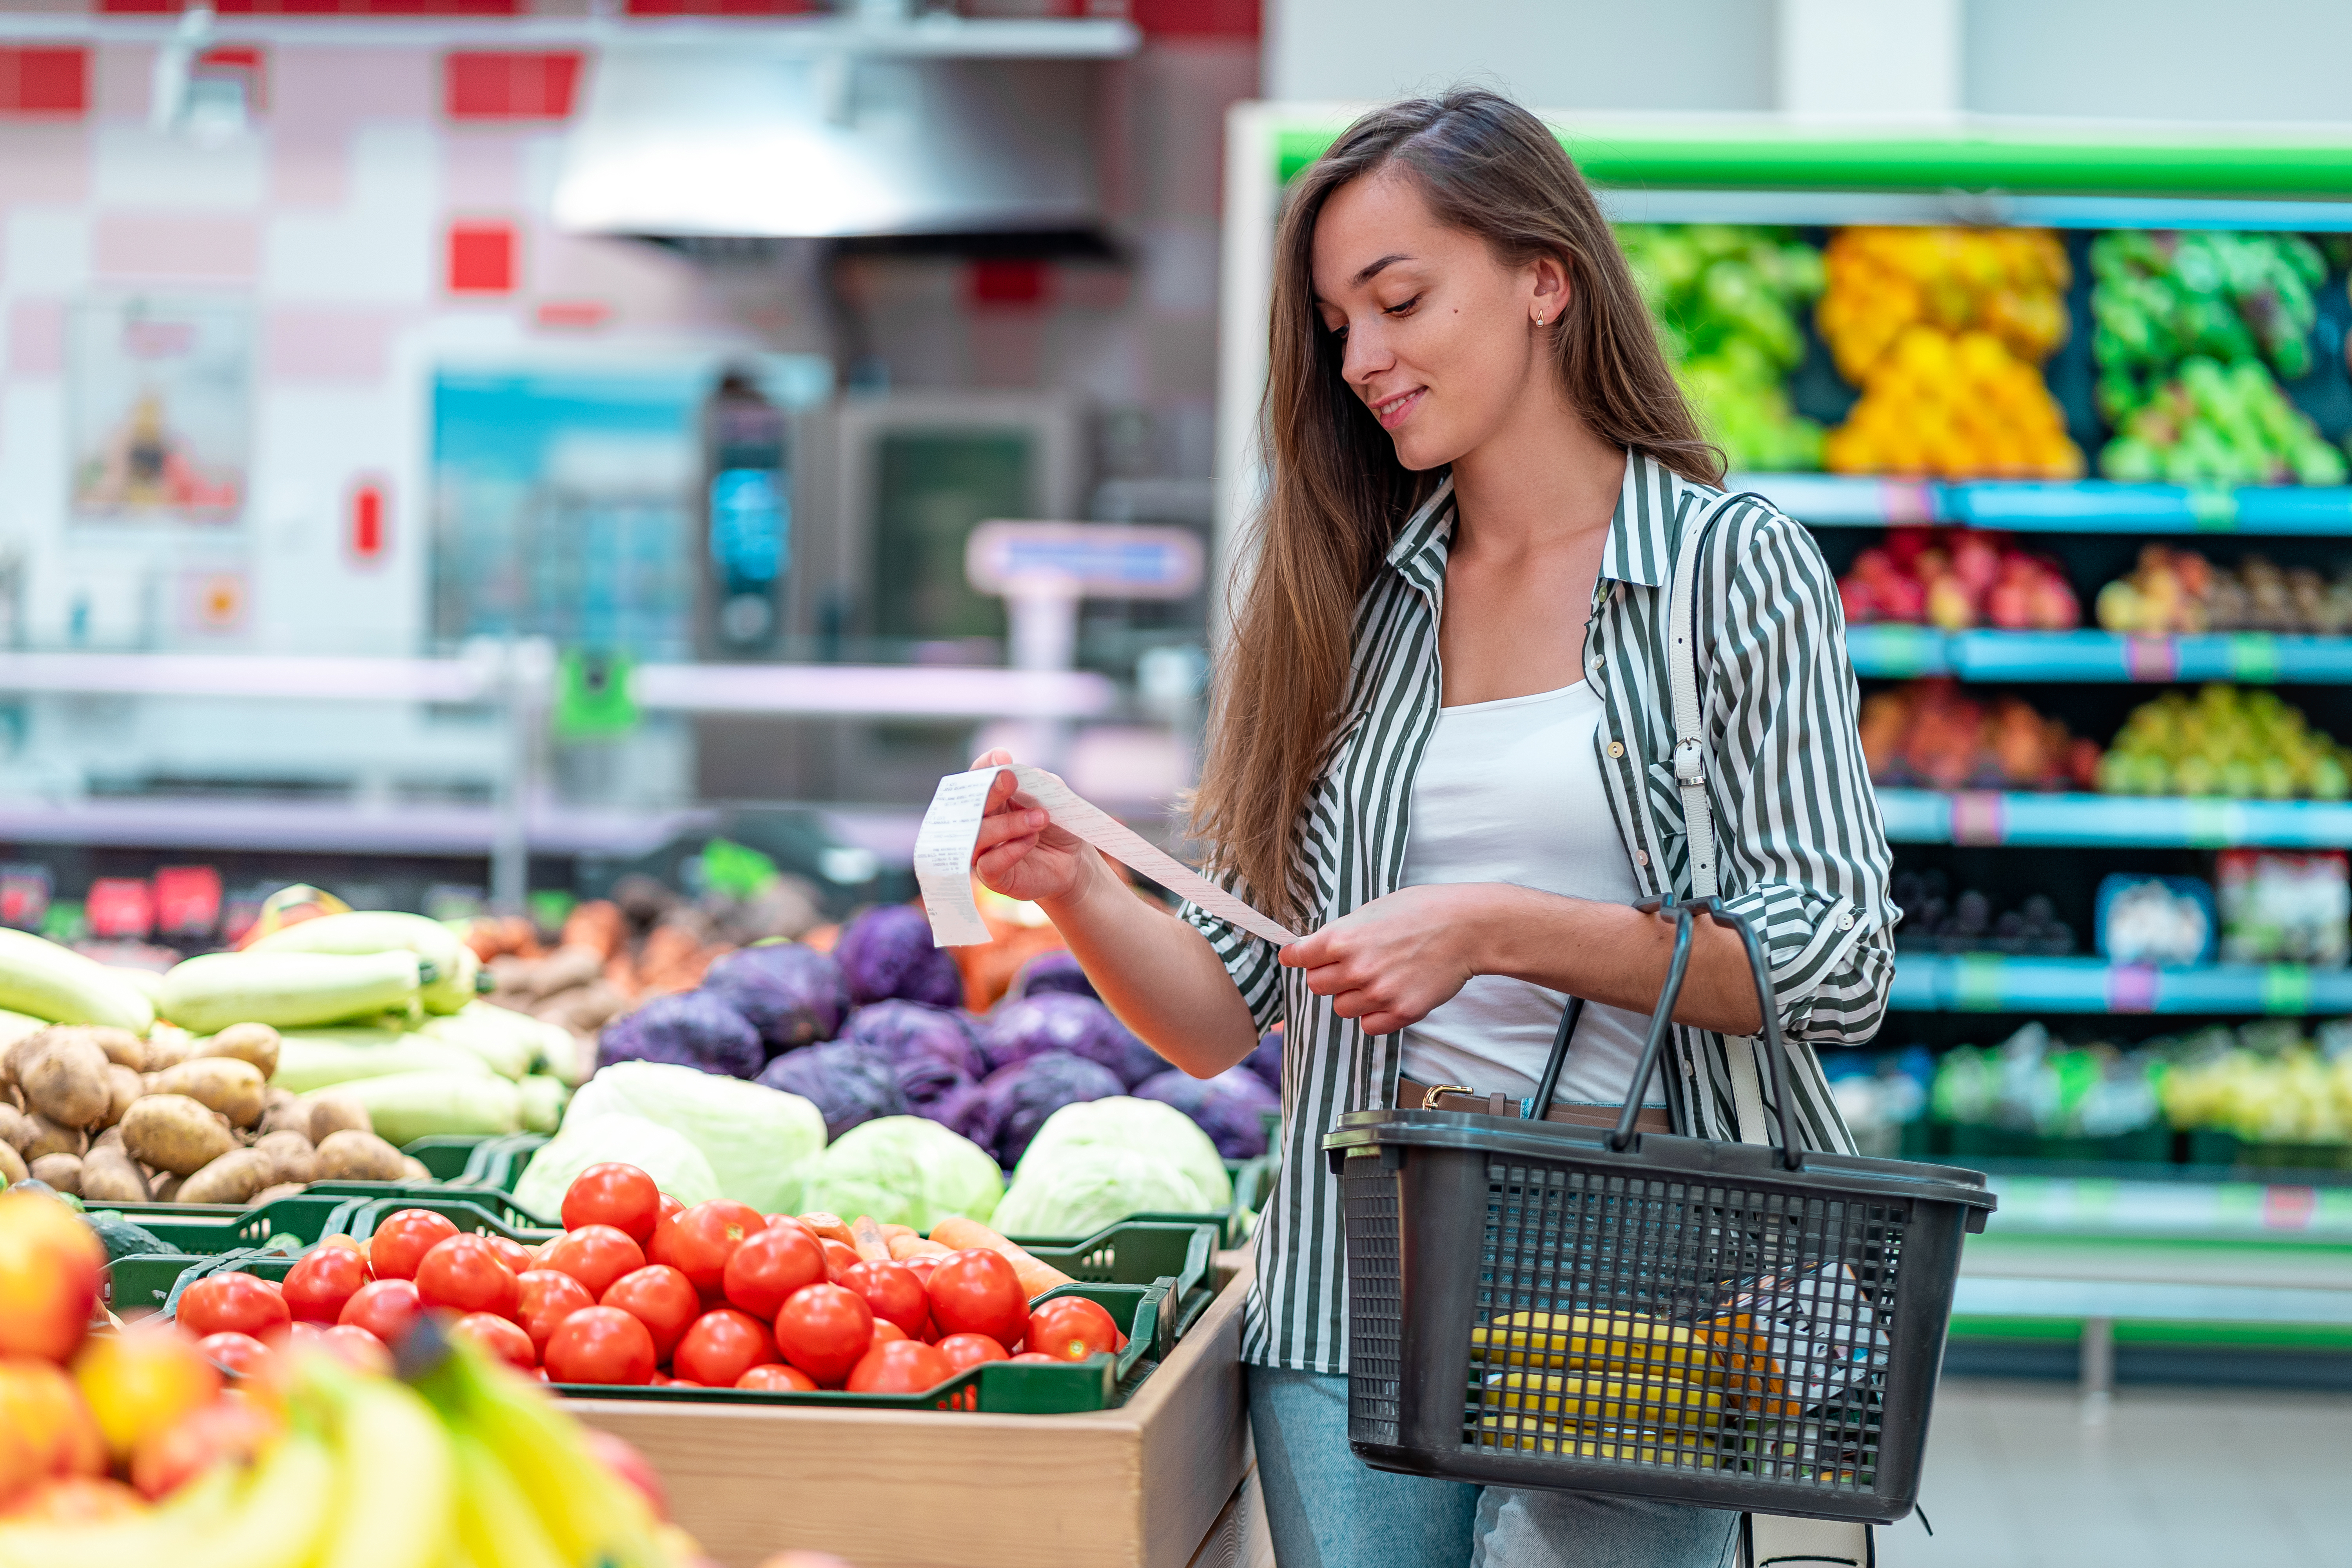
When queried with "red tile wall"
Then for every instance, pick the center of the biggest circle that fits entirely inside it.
(482, 84)
(42, 81)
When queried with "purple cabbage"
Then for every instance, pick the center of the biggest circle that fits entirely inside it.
(904, 1031)
(848, 1082)
(1079, 1026)
(691, 1029)
(1017, 1099)
(963, 1108)
(793, 994)
(1229, 1107)
(888, 952)
(1267, 1061)
(1056, 970)
(927, 1080)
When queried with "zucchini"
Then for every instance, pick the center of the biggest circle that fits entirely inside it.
(289, 990)
(448, 986)
(39, 977)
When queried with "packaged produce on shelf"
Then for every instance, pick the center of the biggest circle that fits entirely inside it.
(2225, 742)
(2162, 920)
(2263, 1083)
(246, 1433)
(1725, 298)
(1957, 578)
(2285, 908)
(1929, 733)
(1879, 1095)
(2161, 297)
(1936, 920)
(2031, 1083)
(2172, 590)
(2214, 425)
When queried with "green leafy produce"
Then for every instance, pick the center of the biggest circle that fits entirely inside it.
(905, 1170)
(1081, 1188)
(676, 1166)
(759, 1141)
(2161, 298)
(1726, 301)
(2245, 746)
(1146, 1127)
(2217, 425)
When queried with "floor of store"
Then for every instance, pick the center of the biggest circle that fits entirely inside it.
(2176, 1478)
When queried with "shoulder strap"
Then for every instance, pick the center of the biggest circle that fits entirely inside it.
(1690, 776)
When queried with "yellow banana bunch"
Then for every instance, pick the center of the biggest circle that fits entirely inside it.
(495, 1523)
(270, 1516)
(1683, 1452)
(1642, 1401)
(395, 1490)
(1606, 1342)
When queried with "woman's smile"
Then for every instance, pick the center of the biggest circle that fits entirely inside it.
(1392, 410)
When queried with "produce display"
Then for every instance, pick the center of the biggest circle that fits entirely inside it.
(245, 1433)
(1726, 301)
(1945, 330)
(2159, 920)
(2031, 1083)
(2264, 1083)
(2221, 425)
(2160, 298)
(1937, 920)
(2227, 741)
(2177, 590)
(1955, 579)
(1930, 734)
(2285, 908)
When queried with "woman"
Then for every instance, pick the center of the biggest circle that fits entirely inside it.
(1443, 746)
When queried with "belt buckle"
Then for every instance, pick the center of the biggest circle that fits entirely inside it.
(1429, 1096)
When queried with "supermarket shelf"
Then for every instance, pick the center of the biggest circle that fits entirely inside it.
(336, 828)
(2076, 506)
(2112, 821)
(1991, 982)
(1900, 652)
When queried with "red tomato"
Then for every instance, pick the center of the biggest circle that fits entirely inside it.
(769, 1266)
(513, 1254)
(539, 1374)
(601, 1344)
(1063, 1329)
(401, 1242)
(664, 1380)
(840, 1257)
(594, 1254)
(777, 1378)
(670, 1206)
(297, 1332)
(720, 1346)
(824, 1330)
(976, 1292)
(1095, 1310)
(884, 1328)
(900, 1366)
(496, 1335)
(612, 1194)
(359, 1346)
(241, 1353)
(661, 1298)
(235, 1302)
(543, 1298)
(384, 1308)
(894, 1292)
(317, 1285)
(698, 1241)
(965, 1350)
(1037, 1357)
(466, 1274)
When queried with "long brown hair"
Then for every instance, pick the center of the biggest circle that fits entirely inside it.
(1337, 494)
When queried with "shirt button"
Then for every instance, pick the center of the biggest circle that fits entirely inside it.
(1641, 857)
(1598, 659)
(1616, 748)
(1845, 922)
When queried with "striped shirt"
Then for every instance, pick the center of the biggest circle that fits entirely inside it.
(1801, 850)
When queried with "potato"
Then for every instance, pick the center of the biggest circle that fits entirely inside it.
(254, 1043)
(231, 1179)
(62, 1172)
(331, 1113)
(273, 1193)
(166, 1189)
(17, 1129)
(352, 1156)
(282, 1111)
(125, 1086)
(168, 1045)
(49, 1138)
(122, 1047)
(226, 1084)
(109, 1139)
(110, 1175)
(175, 1133)
(413, 1169)
(291, 1155)
(13, 1168)
(64, 1077)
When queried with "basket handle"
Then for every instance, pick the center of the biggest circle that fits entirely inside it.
(1620, 1137)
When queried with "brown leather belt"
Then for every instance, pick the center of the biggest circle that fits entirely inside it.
(1411, 1096)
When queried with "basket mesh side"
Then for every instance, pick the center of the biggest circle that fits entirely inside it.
(1370, 1205)
(1683, 1324)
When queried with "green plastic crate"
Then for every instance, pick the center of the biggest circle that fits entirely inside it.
(144, 1280)
(1137, 1252)
(480, 1212)
(446, 1155)
(499, 1162)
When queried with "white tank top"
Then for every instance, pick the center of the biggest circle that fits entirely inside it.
(1510, 791)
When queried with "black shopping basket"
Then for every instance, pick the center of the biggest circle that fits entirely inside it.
(1725, 1325)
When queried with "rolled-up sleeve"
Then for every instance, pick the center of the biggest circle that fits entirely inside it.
(1802, 848)
(1251, 961)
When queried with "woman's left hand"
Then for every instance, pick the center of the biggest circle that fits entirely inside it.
(1396, 960)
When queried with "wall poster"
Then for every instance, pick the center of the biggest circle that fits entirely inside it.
(160, 409)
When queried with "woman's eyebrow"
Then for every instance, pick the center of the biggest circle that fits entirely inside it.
(1369, 273)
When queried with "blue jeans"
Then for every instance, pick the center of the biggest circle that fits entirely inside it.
(1327, 1509)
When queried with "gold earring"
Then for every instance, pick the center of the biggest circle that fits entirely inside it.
(1538, 318)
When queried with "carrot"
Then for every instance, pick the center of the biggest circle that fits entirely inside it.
(827, 1226)
(1036, 1276)
(902, 1247)
(866, 1236)
(891, 1231)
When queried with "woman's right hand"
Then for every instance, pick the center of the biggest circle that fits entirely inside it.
(1020, 853)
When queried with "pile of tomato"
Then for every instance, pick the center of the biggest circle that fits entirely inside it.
(640, 1289)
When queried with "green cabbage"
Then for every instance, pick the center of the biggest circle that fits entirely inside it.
(1145, 1126)
(905, 1170)
(676, 1166)
(759, 1141)
(1082, 1188)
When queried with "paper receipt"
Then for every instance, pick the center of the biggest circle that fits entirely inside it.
(951, 827)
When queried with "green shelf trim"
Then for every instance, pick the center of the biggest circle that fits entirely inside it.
(1786, 157)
